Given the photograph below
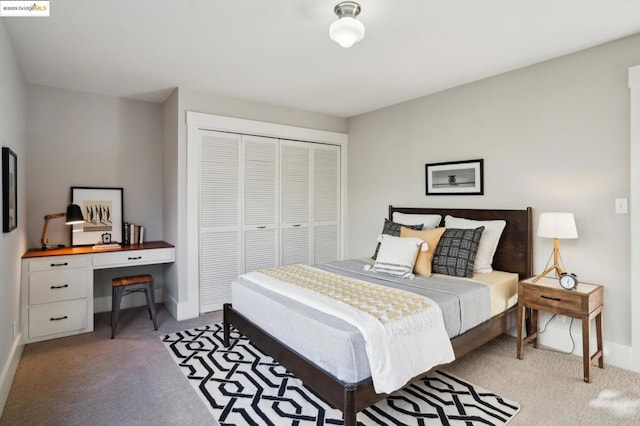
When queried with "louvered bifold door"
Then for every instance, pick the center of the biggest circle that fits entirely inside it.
(260, 225)
(326, 203)
(219, 217)
(295, 181)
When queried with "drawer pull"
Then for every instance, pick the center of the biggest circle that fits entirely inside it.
(58, 318)
(296, 226)
(53, 287)
(53, 265)
(556, 299)
(261, 227)
(135, 258)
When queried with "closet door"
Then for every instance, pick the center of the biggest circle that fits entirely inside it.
(260, 210)
(326, 203)
(295, 184)
(219, 217)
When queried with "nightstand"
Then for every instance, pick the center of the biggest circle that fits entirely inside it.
(584, 303)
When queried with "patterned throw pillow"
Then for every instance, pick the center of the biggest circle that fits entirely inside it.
(393, 228)
(456, 252)
(488, 243)
(397, 255)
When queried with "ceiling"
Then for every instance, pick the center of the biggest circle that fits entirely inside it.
(278, 51)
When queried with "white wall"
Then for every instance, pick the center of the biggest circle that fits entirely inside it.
(13, 116)
(83, 139)
(554, 136)
(183, 303)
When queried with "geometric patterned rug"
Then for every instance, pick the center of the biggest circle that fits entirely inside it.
(242, 386)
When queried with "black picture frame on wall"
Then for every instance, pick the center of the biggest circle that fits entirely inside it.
(102, 209)
(455, 178)
(9, 190)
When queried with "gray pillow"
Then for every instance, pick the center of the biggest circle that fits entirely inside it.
(393, 228)
(456, 252)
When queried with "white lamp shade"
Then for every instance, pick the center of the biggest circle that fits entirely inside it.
(557, 225)
(346, 31)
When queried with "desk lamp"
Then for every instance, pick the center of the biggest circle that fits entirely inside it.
(73, 215)
(557, 226)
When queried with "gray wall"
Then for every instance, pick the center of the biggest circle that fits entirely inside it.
(171, 199)
(83, 139)
(13, 116)
(554, 136)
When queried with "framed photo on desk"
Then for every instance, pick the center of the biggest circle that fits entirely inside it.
(102, 209)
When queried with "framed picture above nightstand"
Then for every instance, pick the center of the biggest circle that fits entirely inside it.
(585, 302)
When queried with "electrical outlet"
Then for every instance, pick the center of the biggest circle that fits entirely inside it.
(621, 206)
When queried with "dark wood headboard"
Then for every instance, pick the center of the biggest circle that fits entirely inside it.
(515, 250)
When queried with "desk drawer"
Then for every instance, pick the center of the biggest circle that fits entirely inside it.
(55, 286)
(54, 263)
(133, 257)
(61, 317)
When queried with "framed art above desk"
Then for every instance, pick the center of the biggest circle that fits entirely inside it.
(57, 285)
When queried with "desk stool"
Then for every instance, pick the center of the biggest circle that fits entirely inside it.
(119, 289)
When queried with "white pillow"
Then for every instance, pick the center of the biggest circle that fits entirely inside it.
(429, 221)
(488, 242)
(397, 255)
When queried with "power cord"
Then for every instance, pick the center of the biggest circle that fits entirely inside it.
(573, 342)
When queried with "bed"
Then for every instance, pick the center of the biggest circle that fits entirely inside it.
(514, 254)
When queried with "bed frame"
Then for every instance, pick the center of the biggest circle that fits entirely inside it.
(514, 254)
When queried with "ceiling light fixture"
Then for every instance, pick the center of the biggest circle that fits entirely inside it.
(346, 30)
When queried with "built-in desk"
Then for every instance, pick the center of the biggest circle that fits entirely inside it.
(57, 285)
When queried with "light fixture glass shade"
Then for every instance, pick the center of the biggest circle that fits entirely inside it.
(74, 214)
(346, 31)
(557, 225)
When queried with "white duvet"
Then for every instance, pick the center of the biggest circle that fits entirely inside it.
(393, 359)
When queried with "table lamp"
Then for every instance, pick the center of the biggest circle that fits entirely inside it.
(73, 215)
(557, 226)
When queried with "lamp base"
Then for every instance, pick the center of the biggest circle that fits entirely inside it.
(46, 247)
(554, 267)
(556, 262)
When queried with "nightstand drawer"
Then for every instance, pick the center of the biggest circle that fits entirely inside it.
(547, 295)
(540, 298)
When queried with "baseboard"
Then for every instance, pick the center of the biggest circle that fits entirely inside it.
(9, 370)
(103, 304)
(172, 305)
(556, 336)
(181, 311)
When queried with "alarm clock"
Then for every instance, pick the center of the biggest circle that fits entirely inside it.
(568, 281)
(106, 238)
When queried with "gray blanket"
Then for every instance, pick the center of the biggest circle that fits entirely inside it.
(464, 303)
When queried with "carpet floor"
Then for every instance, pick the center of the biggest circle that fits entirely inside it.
(90, 379)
